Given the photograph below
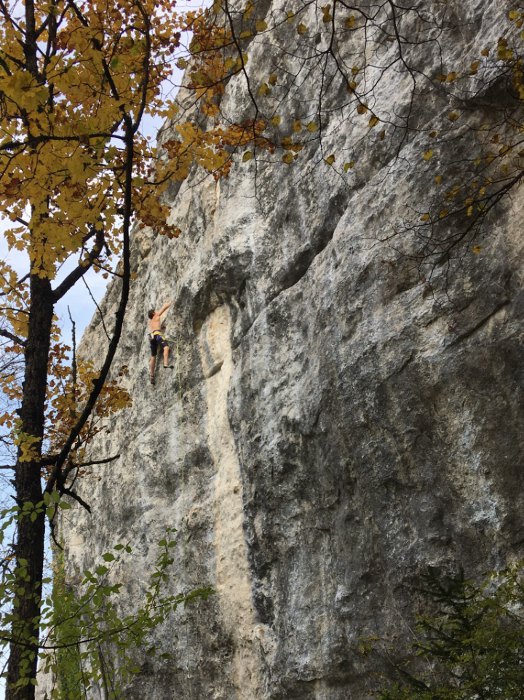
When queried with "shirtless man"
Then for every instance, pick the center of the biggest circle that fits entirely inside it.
(156, 339)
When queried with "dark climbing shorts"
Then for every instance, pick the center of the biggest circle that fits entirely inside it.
(156, 340)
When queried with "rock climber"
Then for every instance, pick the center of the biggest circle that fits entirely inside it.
(156, 339)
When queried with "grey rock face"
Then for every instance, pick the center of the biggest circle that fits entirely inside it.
(334, 423)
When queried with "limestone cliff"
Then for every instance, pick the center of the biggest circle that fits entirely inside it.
(334, 423)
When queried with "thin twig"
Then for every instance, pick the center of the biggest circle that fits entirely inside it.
(97, 307)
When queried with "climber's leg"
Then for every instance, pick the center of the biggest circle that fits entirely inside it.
(152, 359)
(166, 356)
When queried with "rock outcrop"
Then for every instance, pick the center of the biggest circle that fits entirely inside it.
(334, 423)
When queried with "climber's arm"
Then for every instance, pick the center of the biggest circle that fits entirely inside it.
(165, 307)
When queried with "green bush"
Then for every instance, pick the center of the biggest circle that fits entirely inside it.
(472, 646)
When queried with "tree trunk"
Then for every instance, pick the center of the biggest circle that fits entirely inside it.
(29, 549)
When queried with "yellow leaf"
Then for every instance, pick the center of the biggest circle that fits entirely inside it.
(326, 13)
(373, 121)
(272, 80)
(248, 155)
(349, 22)
(352, 85)
(438, 179)
(453, 116)
(312, 126)
(260, 25)
(450, 77)
(250, 8)
(301, 29)
(264, 89)
(504, 52)
(297, 126)
(348, 165)
(484, 52)
(425, 217)
(427, 154)
(288, 158)
(453, 192)
(474, 67)
(476, 249)
(469, 210)
(330, 159)
(362, 108)
(275, 121)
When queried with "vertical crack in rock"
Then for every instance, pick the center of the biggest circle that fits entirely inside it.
(233, 582)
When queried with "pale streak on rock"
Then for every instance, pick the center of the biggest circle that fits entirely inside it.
(233, 580)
